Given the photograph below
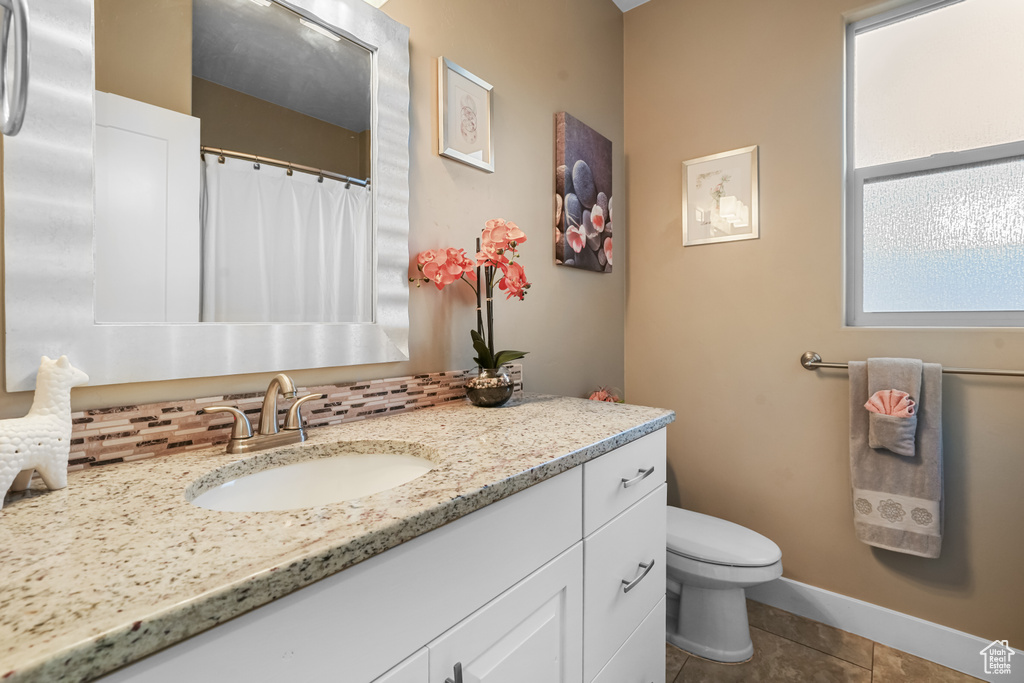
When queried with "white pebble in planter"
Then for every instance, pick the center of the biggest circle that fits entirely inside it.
(41, 441)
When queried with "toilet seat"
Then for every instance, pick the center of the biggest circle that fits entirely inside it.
(708, 539)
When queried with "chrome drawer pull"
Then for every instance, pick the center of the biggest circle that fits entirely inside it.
(640, 476)
(628, 585)
(458, 674)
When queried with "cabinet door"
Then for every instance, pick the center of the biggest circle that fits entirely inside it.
(532, 632)
(412, 670)
(642, 658)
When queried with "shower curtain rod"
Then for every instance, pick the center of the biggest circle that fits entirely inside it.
(283, 164)
(812, 361)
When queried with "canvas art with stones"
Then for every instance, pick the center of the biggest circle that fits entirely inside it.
(583, 196)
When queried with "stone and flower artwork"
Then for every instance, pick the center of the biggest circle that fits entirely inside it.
(583, 196)
(465, 112)
(720, 197)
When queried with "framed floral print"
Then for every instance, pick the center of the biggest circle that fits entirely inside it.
(720, 198)
(465, 116)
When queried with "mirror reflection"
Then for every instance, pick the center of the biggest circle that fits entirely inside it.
(232, 177)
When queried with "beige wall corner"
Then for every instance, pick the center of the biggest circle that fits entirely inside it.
(715, 331)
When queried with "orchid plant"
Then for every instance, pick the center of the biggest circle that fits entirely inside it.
(497, 251)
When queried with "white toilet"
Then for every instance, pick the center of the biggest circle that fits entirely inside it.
(709, 562)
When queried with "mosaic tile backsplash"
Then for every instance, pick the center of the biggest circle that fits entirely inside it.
(126, 433)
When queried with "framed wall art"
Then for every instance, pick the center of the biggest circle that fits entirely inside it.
(720, 198)
(583, 196)
(465, 116)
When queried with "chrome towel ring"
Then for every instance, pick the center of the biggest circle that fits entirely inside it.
(16, 96)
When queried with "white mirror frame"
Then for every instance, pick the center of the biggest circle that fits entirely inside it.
(48, 185)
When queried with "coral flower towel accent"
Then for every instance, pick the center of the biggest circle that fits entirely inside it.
(891, 402)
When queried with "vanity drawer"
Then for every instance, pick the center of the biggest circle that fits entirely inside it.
(614, 554)
(642, 658)
(618, 479)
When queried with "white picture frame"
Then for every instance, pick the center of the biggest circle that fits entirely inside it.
(720, 198)
(465, 116)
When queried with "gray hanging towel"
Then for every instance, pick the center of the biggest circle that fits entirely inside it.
(897, 500)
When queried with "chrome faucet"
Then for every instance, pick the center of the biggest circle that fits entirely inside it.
(268, 416)
(242, 438)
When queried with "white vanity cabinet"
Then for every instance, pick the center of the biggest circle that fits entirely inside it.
(515, 591)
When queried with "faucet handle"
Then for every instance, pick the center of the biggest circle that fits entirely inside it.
(294, 418)
(242, 428)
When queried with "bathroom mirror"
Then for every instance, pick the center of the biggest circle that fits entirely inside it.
(50, 237)
(276, 224)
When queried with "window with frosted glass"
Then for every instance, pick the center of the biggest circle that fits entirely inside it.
(936, 165)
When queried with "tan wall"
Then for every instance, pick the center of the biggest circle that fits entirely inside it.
(159, 42)
(715, 332)
(243, 123)
(572, 321)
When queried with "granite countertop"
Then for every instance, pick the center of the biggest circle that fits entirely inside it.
(119, 565)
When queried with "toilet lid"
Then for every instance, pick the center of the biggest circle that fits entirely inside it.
(709, 539)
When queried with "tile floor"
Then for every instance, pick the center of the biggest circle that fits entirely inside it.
(789, 648)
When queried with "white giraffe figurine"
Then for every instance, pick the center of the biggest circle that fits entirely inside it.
(41, 440)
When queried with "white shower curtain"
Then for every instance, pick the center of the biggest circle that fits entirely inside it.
(280, 248)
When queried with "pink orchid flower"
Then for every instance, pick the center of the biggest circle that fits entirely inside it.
(468, 266)
(514, 281)
(597, 218)
(456, 257)
(576, 236)
(440, 270)
(500, 233)
(608, 249)
(490, 255)
(514, 234)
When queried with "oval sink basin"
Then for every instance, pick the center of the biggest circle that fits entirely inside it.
(310, 483)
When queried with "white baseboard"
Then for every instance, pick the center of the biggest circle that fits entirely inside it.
(948, 647)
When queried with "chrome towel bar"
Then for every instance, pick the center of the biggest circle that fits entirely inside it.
(812, 361)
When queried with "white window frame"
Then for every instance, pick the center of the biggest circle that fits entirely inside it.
(854, 182)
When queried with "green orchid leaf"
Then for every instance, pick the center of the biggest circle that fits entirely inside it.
(503, 357)
(478, 341)
(483, 358)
